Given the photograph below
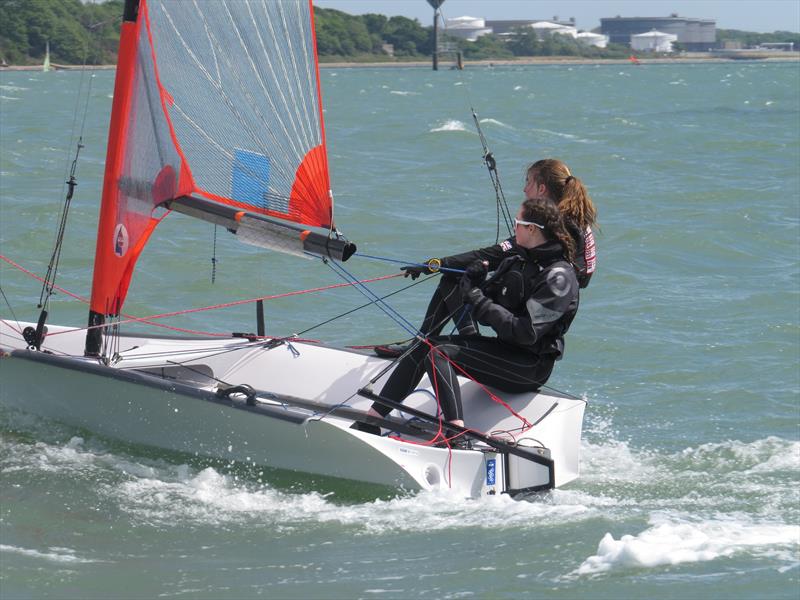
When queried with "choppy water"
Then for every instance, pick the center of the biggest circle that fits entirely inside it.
(687, 346)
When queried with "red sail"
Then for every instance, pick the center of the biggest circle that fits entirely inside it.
(213, 100)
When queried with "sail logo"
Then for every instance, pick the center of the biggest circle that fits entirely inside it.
(120, 240)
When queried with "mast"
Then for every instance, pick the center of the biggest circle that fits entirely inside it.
(126, 64)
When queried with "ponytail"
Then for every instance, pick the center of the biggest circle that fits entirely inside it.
(567, 190)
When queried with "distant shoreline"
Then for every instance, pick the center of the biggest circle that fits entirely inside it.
(575, 60)
(530, 60)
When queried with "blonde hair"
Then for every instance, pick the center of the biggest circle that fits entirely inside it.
(567, 190)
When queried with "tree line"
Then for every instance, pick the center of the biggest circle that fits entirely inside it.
(88, 33)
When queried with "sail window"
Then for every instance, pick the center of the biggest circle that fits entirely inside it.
(250, 181)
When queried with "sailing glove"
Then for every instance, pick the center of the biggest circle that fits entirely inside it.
(430, 266)
(471, 293)
(476, 273)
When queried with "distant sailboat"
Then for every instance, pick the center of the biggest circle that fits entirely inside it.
(46, 65)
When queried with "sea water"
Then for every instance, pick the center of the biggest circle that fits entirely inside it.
(686, 345)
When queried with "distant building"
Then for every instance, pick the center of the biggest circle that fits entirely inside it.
(468, 28)
(592, 39)
(698, 35)
(784, 46)
(545, 28)
(653, 41)
(503, 27)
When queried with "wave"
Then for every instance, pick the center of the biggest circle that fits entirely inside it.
(402, 93)
(451, 125)
(212, 497)
(672, 540)
(496, 122)
(568, 136)
(54, 553)
(702, 503)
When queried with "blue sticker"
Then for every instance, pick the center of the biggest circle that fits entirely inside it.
(250, 181)
(490, 471)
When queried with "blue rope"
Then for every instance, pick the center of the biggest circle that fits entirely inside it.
(374, 298)
(404, 262)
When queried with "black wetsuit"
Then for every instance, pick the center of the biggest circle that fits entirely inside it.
(530, 302)
(446, 299)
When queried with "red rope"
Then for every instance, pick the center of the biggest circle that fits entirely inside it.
(132, 319)
(526, 424)
(147, 320)
(35, 276)
(10, 326)
(440, 412)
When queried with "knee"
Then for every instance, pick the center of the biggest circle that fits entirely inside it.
(443, 355)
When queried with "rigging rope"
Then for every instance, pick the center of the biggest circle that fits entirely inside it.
(48, 283)
(214, 258)
(386, 308)
(489, 161)
(491, 165)
(147, 319)
(405, 262)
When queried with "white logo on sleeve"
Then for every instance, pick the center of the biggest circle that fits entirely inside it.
(558, 281)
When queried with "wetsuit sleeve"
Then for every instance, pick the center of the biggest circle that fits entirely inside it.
(552, 296)
(585, 258)
(491, 254)
(589, 256)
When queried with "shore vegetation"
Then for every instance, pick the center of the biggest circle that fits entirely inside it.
(88, 33)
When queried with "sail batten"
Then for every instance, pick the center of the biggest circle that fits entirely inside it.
(213, 100)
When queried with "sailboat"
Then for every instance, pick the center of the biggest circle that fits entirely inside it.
(46, 64)
(217, 115)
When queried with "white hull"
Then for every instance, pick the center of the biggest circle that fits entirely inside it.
(147, 398)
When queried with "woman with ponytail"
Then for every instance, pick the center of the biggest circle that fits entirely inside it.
(551, 178)
(529, 301)
(548, 178)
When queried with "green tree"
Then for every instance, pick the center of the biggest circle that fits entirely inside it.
(751, 38)
(408, 36)
(524, 42)
(26, 26)
(486, 47)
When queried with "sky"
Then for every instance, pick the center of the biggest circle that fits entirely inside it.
(748, 15)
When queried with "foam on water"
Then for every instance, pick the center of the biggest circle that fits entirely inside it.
(211, 497)
(402, 93)
(54, 554)
(617, 481)
(674, 539)
(451, 125)
(621, 486)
